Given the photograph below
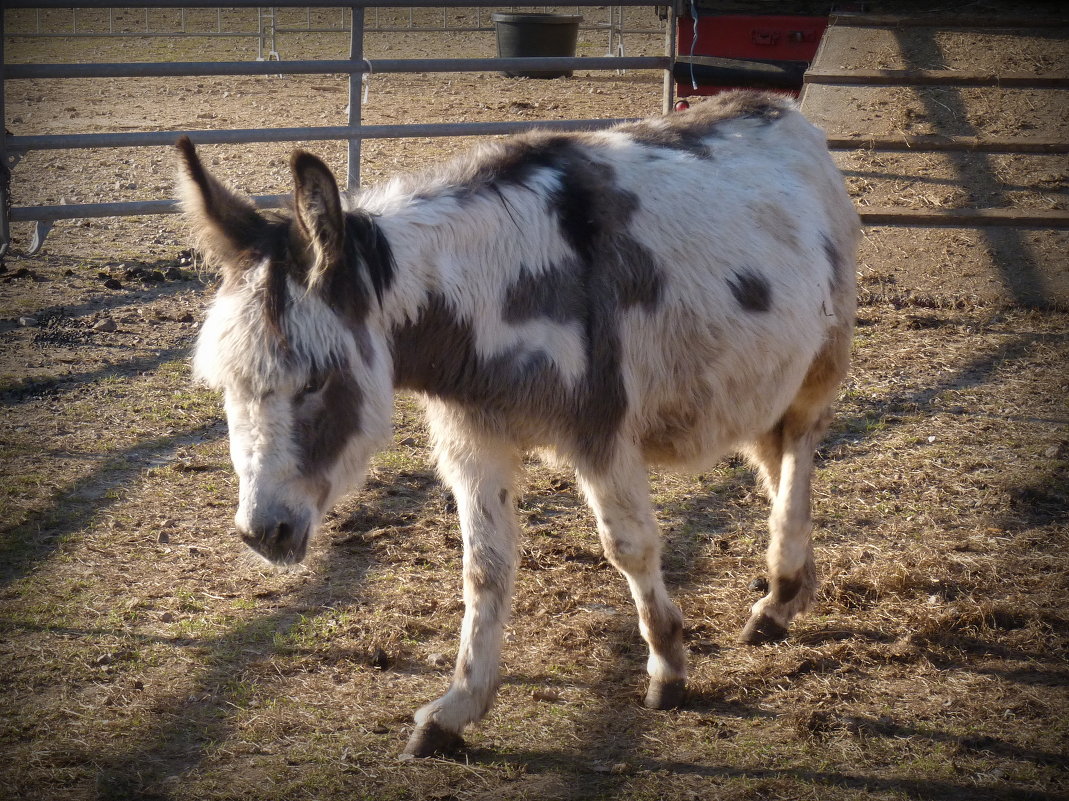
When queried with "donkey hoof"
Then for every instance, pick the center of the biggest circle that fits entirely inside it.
(430, 740)
(761, 629)
(665, 694)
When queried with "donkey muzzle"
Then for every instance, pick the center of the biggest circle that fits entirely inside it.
(281, 539)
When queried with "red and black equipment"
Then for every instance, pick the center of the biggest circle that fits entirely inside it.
(759, 44)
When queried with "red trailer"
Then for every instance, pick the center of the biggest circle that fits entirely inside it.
(758, 44)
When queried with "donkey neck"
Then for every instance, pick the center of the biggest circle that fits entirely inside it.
(455, 256)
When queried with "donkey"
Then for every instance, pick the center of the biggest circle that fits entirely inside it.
(658, 293)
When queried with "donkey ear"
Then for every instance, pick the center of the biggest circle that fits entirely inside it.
(226, 225)
(319, 212)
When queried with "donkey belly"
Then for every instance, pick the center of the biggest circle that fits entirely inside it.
(715, 392)
(698, 436)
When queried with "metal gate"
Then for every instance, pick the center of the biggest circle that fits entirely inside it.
(12, 148)
(265, 25)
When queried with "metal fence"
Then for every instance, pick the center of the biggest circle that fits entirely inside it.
(266, 24)
(12, 148)
(614, 25)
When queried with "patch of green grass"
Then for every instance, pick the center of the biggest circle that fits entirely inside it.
(17, 483)
(397, 460)
(933, 762)
(187, 601)
(197, 627)
(241, 693)
(313, 632)
(179, 369)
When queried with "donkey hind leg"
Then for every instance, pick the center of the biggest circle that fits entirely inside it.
(792, 571)
(620, 499)
(766, 454)
(486, 497)
(784, 456)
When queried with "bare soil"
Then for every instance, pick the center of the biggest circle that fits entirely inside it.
(145, 655)
(994, 265)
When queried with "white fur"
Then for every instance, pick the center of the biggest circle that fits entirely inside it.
(259, 382)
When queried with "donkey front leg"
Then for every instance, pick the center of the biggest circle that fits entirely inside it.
(483, 483)
(620, 498)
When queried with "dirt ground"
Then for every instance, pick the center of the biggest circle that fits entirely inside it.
(992, 265)
(145, 655)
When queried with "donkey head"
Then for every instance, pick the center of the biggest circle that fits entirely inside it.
(293, 340)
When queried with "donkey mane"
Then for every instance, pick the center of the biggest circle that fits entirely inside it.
(259, 340)
(367, 268)
(517, 160)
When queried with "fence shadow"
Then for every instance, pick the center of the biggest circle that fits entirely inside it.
(977, 372)
(150, 284)
(187, 725)
(29, 391)
(1014, 259)
(193, 722)
(31, 541)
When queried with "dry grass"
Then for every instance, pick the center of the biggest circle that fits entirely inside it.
(145, 655)
(956, 49)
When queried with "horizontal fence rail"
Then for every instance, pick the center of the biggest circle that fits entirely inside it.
(144, 30)
(1006, 80)
(267, 26)
(182, 69)
(95, 210)
(322, 133)
(969, 218)
(14, 147)
(936, 143)
(43, 4)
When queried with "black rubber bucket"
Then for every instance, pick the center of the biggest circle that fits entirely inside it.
(534, 35)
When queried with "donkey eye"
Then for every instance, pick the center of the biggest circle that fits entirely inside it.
(314, 383)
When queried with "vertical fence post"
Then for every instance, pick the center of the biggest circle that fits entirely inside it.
(669, 94)
(274, 35)
(5, 168)
(261, 42)
(356, 54)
